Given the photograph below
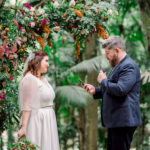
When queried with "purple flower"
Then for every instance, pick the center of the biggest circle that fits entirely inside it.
(44, 21)
(27, 5)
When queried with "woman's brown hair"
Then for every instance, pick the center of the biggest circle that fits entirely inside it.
(35, 63)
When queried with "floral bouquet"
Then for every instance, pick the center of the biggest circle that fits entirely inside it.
(23, 144)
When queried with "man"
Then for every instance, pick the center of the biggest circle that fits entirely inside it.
(120, 95)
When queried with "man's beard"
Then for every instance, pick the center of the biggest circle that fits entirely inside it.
(113, 62)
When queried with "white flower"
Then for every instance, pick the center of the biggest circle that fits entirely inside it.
(109, 12)
(72, 3)
(32, 9)
(32, 24)
(56, 4)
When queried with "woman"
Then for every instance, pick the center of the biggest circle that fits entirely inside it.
(36, 100)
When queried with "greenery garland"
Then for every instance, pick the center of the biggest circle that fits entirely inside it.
(21, 29)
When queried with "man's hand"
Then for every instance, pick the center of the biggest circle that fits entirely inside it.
(89, 88)
(101, 76)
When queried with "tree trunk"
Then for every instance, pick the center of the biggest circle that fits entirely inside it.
(91, 116)
(144, 7)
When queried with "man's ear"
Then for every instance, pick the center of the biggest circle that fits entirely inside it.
(117, 50)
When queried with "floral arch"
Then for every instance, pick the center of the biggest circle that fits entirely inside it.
(22, 27)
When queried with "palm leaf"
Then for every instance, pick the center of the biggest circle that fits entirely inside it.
(145, 77)
(88, 66)
(72, 96)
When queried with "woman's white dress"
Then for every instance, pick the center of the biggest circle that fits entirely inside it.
(35, 96)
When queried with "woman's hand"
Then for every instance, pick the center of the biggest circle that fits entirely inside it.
(21, 132)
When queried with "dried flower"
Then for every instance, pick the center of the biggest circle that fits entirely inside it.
(72, 3)
(18, 10)
(101, 31)
(56, 4)
(78, 13)
(10, 56)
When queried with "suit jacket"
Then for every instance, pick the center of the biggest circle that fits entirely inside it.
(120, 95)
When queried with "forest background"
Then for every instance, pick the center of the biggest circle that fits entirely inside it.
(78, 115)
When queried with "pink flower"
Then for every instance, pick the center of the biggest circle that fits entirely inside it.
(13, 48)
(3, 96)
(18, 40)
(32, 35)
(19, 28)
(23, 31)
(7, 49)
(22, 13)
(27, 5)
(57, 28)
(57, 24)
(11, 77)
(16, 23)
(72, 3)
(29, 24)
(2, 50)
(38, 29)
(3, 35)
(44, 21)
(28, 16)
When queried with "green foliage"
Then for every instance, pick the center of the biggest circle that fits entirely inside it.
(74, 96)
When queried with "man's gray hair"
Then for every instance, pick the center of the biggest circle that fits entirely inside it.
(114, 42)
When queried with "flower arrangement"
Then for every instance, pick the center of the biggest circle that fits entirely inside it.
(22, 29)
(23, 144)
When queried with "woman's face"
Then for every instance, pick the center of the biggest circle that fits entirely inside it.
(44, 64)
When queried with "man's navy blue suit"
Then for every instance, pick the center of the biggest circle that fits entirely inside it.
(120, 95)
(120, 111)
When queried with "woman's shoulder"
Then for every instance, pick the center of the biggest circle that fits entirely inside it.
(29, 78)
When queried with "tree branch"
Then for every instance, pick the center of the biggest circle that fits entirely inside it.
(39, 4)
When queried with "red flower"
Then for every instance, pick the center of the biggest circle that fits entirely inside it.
(22, 13)
(44, 21)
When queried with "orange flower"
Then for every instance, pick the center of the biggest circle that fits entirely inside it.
(101, 31)
(78, 13)
(77, 48)
(86, 9)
